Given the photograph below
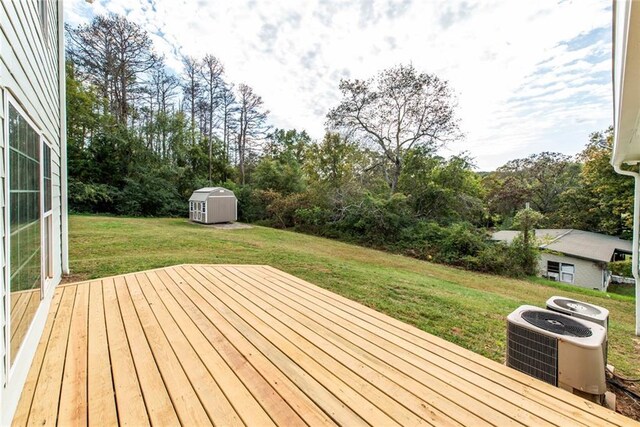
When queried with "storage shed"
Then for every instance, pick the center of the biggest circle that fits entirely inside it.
(212, 205)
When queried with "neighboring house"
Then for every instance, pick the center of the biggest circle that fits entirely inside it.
(33, 173)
(574, 256)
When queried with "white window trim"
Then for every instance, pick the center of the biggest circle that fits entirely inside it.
(560, 272)
(10, 99)
(45, 216)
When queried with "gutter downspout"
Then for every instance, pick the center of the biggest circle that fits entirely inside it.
(636, 230)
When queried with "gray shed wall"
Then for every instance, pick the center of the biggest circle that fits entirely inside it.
(221, 205)
(221, 209)
(588, 274)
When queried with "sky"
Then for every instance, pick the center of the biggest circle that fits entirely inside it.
(529, 76)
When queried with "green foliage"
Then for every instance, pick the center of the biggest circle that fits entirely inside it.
(278, 175)
(86, 197)
(621, 268)
(539, 179)
(461, 240)
(444, 190)
(526, 255)
(604, 201)
(376, 220)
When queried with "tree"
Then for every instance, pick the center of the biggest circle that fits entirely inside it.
(539, 179)
(161, 90)
(603, 201)
(211, 71)
(228, 109)
(251, 124)
(526, 220)
(397, 110)
(192, 89)
(112, 53)
(291, 142)
(333, 162)
(444, 190)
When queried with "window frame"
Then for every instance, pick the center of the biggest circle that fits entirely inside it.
(563, 273)
(11, 99)
(46, 216)
(560, 274)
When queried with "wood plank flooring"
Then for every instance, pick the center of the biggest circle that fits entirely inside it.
(251, 345)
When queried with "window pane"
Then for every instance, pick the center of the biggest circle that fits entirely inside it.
(567, 277)
(553, 267)
(46, 177)
(24, 226)
(568, 268)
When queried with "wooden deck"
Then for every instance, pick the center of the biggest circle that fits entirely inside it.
(23, 306)
(234, 345)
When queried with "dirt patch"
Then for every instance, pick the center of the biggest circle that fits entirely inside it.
(73, 278)
(627, 401)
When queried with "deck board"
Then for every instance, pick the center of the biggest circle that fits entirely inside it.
(251, 345)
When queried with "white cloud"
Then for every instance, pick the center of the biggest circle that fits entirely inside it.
(521, 85)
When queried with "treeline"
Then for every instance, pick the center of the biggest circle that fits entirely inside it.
(141, 138)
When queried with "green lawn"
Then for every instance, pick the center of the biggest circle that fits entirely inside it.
(463, 307)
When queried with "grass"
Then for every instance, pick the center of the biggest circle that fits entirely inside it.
(622, 289)
(463, 307)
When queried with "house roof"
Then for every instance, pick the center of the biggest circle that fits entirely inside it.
(578, 243)
(203, 193)
(626, 85)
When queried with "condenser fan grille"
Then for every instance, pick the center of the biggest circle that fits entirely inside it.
(577, 307)
(556, 323)
(533, 353)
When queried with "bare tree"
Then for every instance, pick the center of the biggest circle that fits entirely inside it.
(113, 54)
(228, 108)
(251, 124)
(395, 111)
(162, 86)
(192, 89)
(211, 71)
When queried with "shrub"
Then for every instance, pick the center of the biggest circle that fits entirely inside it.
(460, 241)
(621, 268)
(375, 221)
(496, 258)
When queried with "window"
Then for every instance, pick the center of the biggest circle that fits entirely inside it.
(567, 271)
(25, 258)
(47, 217)
(561, 271)
(203, 207)
(190, 206)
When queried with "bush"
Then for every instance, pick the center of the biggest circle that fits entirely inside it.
(621, 268)
(496, 258)
(281, 208)
(461, 240)
(375, 221)
(88, 197)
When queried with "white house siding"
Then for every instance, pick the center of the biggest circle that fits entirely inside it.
(588, 274)
(30, 76)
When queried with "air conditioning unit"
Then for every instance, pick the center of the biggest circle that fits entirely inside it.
(582, 310)
(564, 351)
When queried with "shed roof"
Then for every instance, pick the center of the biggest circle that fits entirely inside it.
(578, 243)
(202, 194)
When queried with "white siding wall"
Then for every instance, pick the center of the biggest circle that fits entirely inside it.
(588, 274)
(29, 73)
(3, 297)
